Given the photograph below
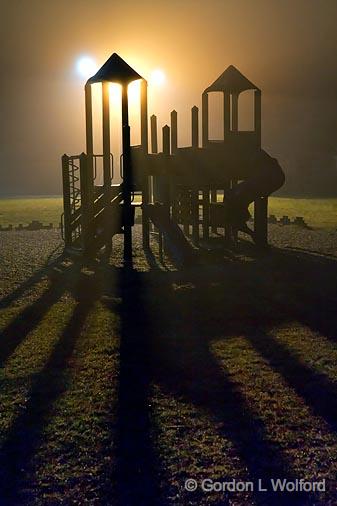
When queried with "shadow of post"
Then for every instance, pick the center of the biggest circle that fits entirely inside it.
(25, 435)
(136, 470)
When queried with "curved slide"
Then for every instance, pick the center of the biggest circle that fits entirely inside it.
(176, 242)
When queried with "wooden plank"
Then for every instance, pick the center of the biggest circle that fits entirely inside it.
(143, 116)
(204, 119)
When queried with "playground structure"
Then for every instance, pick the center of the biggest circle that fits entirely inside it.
(185, 193)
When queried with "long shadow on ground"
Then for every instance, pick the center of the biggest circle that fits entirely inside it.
(167, 322)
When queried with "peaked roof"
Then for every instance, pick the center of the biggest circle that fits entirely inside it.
(231, 80)
(115, 70)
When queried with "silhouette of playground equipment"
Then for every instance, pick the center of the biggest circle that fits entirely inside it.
(185, 193)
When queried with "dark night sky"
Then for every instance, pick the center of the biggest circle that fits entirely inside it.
(287, 47)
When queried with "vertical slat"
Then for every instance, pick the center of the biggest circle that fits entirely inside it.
(235, 111)
(227, 227)
(195, 126)
(226, 113)
(154, 137)
(127, 178)
(205, 213)
(186, 209)
(166, 140)
(143, 116)
(106, 135)
(89, 130)
(204, 120)
(146, 178)
(66, 201)
(174, 132)
(88, 120)
(257, 115)
(214, 201)
(164, 180)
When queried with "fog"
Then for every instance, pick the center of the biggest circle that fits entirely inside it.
(287, 48)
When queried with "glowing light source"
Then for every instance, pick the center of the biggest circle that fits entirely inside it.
(157, 77)
(86, 66)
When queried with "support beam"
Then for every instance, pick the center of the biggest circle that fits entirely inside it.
(106, 136)
(143, 116)
(127, 178)
(226, 113)
(88, 120)
(235, 112)
(257, 115)
(204, 120)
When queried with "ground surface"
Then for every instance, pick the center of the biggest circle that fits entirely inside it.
(118, 386)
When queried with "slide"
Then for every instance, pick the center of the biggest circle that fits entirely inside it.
(176, 242)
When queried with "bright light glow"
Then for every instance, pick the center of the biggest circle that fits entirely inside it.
(134, 93)
(157, 77)
(86, 66)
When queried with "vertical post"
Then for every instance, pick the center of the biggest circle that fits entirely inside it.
(106, 136)
(204, 119)
(66, 201)
(195, 126)
(214, 199)
(226, 113)
(89, 141)
(127, 179)
(186, 210)
(146, 178)
(164, 182)
(106, 162)
(143, 116)
(227, 226)
(154, 139)
(174, 132)
(205, 213)
(257, 115)
(88, 120)
(166, 140)
(235, 111)
(261, 221)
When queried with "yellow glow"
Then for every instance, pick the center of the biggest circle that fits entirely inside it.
(134, 93)
(86, 67)
(157, 77)
(115, 95)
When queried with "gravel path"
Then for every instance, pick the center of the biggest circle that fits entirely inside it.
(25, 253)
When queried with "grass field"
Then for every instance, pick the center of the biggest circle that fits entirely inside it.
(117, 386)
(321, 213)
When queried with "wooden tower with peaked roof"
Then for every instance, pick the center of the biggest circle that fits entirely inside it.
(207, 186)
